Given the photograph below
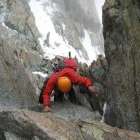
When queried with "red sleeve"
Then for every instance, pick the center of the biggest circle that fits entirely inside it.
(48, 89)
(76, 78)
(83, 81)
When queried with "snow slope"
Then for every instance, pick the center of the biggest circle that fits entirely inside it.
(44, 11)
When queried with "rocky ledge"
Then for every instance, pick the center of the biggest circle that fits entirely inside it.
(29, 125)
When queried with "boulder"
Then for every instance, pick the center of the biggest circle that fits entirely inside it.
(29, 125)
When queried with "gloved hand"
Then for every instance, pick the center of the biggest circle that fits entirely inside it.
(47, 109)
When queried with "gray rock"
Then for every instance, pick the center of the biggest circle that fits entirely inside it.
(28, 125)
(122, 41)
(73, 112)
(19, 54)
(10, 136)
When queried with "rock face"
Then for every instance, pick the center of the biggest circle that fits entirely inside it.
(76, 22)
(41, 126)
(19, 54)
(122, 40)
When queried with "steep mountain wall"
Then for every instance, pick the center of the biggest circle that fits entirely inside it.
(69, 25)
(121, 21)
(19, 53)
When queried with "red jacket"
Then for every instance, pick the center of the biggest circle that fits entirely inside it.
(69, 72)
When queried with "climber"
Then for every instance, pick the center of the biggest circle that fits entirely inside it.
(64, 80)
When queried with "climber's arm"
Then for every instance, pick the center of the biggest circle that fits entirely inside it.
(48, 89)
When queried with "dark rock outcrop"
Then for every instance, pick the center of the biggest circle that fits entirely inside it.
(121, 21)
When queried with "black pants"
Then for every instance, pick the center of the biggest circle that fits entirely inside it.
(59, 96)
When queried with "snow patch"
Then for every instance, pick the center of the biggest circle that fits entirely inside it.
(44, 75)
(3, 24)
(2, 18)
(63, 26)
(90, 49)
(104, 110)
(99, 4)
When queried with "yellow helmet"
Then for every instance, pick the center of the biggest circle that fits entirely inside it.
(64, 84)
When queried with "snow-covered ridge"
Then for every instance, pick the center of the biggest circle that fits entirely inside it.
(53, 43)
